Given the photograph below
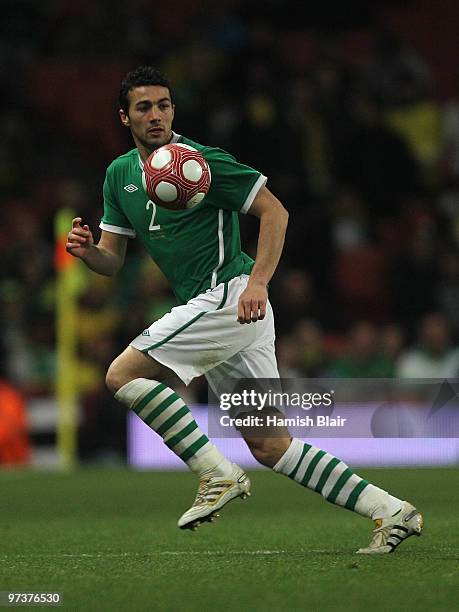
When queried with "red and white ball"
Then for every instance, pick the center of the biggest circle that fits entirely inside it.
(176, 176)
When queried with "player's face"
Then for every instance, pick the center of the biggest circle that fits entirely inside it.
(150, 116)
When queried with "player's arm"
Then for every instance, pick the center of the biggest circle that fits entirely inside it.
(273, 225)
(106, 257)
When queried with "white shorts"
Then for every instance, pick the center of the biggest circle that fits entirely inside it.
(204, 337)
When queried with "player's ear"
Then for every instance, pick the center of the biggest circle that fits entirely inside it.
(124, 118)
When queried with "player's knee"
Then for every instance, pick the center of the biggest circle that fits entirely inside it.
(131, 364)
(267, 451)
(116, 377)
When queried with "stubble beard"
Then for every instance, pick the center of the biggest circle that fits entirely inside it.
(152, 146)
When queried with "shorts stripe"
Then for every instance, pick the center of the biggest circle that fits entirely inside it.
(173, 334)
(225, 295)
(188, 323)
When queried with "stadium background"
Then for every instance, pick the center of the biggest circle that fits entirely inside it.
(353, 114)
(352, 110)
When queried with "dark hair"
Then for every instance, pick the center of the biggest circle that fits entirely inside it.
(143, 75)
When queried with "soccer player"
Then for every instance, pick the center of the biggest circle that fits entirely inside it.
(223, 327)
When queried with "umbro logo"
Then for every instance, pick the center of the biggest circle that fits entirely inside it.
(146, 333)
(130, 188)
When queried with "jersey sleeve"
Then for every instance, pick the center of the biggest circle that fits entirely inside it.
(233, 185)
(114, 219)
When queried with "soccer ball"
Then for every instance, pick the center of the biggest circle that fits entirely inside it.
(176, 176)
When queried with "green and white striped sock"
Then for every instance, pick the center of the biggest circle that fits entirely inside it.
(167, 414)
(334, 480)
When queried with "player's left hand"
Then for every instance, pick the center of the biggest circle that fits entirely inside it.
(252, 303)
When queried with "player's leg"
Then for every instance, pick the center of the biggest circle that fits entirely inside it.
(132, 378)
(320, 471)
(189, 340)
(317, 470)
(395, 520)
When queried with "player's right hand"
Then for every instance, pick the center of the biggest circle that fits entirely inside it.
(79, 239)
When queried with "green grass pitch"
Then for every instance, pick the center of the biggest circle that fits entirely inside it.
(108, 540)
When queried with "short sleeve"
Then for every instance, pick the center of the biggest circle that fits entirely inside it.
(114, 220)
(234, 186)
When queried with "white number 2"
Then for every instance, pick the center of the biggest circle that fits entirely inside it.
(152, 226)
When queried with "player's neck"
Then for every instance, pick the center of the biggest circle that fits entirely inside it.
(145, 152)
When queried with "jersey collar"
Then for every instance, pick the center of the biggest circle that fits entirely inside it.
(175, 138)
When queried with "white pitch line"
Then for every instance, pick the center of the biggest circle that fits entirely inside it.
(144, 554)
(223, 552)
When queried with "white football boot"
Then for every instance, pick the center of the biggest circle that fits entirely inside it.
(392, 531)
(213, 493)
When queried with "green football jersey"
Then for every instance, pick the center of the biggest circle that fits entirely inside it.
(197, 248)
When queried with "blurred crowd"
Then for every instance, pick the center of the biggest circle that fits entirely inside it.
(354, 118)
